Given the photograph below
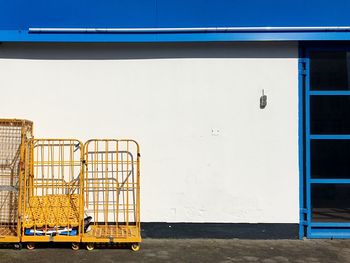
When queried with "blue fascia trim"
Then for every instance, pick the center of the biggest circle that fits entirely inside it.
(25, 36)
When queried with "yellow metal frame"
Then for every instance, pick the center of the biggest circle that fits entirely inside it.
(14, 134)
(53, 191)
(112, 190)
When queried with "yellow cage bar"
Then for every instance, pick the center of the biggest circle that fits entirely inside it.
(14, 134)
(52, 205)
(112, 191)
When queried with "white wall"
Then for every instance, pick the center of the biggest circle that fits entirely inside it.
(170, 98)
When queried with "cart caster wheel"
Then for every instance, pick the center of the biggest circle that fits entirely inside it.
(30, 246)
(75, 246)
(135, 247)
(18, 246)
(90, 246)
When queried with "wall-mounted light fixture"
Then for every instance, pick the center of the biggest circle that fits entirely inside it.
(263, 100)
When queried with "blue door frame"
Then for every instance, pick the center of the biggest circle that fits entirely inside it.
(308, 228)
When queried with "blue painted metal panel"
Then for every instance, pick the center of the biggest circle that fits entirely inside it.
(330, 93)
(319, 229)
(329, 181)
(307, 144)
(330, 233)
(24, 36)
(17, 16)
(332, 225)
(301, 77)
(253, 13)
(330, 137)
(20, 14)
(301, 148)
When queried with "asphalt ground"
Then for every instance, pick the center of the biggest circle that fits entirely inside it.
(190, 250)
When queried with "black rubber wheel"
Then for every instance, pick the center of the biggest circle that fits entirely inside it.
(90, 246)
(135, 247)
(18, 246)
(75, 246)
(30, 246)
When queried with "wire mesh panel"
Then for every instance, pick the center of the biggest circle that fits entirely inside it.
(53, 194)
(111, 191)
(13, 136)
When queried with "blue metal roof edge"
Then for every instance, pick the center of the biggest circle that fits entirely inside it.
(26, 36)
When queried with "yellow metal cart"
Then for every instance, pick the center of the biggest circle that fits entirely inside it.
(52, 207)
(112, 192)
(13, 138)
(61, 190)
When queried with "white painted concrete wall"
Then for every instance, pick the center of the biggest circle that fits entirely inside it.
(209, 153)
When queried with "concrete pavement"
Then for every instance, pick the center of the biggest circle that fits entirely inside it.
(192, 250)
